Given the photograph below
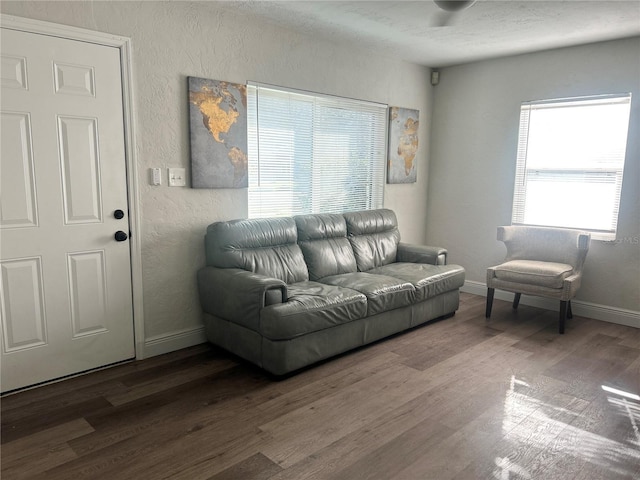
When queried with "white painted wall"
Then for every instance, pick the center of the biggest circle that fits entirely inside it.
(173, 40)
(473, 156)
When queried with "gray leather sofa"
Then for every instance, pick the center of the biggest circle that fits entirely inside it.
(284, 293)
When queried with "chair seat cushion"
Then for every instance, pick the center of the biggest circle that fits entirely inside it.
(533, 272)
(383, 292)
(311, 306)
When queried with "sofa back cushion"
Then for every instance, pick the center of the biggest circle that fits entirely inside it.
(374, 237)
(266, 246)
(324, 244)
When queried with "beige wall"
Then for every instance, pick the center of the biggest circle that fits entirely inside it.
(173, 40)
(473, 152)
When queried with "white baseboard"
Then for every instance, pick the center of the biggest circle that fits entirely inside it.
(605, 313)
(169, 342)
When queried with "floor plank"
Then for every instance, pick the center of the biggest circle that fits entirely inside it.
(463, 398)
(256, 467)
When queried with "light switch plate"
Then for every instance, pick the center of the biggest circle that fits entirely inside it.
(177, 177)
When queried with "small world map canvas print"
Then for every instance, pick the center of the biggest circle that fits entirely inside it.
(218, 129)
(403, 145)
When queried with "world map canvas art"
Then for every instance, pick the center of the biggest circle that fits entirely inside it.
(403, 145)
(218, 129)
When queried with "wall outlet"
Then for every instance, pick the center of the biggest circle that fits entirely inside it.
(177, 177)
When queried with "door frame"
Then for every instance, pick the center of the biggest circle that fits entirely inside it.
(124, 45)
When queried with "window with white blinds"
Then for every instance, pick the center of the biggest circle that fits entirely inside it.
(311, 153)
(570, 163)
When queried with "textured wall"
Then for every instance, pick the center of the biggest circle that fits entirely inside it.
(473, 156)
(173, 40)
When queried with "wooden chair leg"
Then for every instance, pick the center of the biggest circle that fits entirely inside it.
(569, 312)
(563, 315)
(490, 292)
(516, 301)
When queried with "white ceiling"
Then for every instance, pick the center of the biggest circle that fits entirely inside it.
(489, 28)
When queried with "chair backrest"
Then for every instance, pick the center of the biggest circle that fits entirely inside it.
(558, 245)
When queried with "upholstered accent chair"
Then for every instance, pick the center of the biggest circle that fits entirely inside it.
(540, 261)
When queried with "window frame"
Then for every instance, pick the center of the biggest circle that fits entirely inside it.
(611, 174)
(303, 147)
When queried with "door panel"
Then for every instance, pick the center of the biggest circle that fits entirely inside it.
(17, 180)
(14, 72)
(88, 289)
(79, 160)
(74, 79)
(66, 282)
(22, 304)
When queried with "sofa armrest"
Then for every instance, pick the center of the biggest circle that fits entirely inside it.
(421, 254)
(238, 295)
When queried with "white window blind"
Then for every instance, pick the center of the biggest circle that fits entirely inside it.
(570, 163)
(312, 153)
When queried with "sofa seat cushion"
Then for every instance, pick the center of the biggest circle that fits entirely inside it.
(311, 306)
(383, 292)
(543, 274)
(428, 280)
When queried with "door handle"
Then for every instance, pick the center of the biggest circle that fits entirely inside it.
(118, 214)
(120, 236)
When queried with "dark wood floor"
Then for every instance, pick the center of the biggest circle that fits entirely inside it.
(458, 399)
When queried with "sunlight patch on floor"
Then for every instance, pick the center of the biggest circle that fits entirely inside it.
(530, 424)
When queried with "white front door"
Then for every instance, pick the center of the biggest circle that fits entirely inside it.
(66, 297)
